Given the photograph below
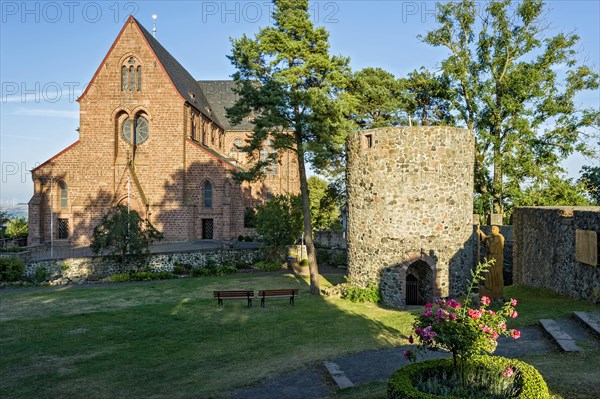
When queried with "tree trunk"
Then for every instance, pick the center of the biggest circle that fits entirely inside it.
(497, 183)
(308, 234)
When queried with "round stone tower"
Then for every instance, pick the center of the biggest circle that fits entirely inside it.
(410, 207)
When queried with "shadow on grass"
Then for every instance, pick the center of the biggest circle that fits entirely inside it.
(143, 340)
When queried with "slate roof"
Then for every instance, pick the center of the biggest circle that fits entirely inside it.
(220, 95)
(183, 81)
(211, 97)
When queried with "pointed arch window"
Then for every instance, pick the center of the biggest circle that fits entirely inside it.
(208, 195)
(131, 78)
(131, 75)
(64, 194)
(139, 78)
(124, 78)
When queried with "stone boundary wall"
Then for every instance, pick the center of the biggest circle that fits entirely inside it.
(544, 250)
(98, 268)
(331, 238)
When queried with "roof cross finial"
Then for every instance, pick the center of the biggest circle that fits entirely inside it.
(154, 25)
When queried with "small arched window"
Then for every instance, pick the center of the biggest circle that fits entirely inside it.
(64, 194)
(207, 195)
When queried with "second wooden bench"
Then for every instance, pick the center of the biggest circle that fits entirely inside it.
(290, 293)
(238, 294)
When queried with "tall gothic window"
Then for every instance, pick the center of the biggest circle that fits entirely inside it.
(207, 195)
(131, 75)
(124, 78)
(64, 194)
(139, 78)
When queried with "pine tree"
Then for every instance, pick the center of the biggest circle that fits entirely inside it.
(294, 89)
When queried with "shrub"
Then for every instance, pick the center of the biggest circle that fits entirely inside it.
(268, 266)
(64, 266)
(141, 276)
(339, 258)
(17, 228)
(41, 274)
(13, 250)
(11, 269)
(214, 271)
(240, 238)
(123, 233)
(486, 378)
(248, 239)
(179, 268)
(323, 256)
(304, 262)
(356, 293)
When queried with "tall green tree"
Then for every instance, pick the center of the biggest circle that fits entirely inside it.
(294, 89)
(325, 205)
(428, 98)
(590, 178)
(378, 98)
(515, 87)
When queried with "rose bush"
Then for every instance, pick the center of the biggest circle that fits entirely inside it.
(463, 329)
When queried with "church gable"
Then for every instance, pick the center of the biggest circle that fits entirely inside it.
(129, 70)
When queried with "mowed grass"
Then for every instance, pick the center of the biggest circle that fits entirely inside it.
(169, 339)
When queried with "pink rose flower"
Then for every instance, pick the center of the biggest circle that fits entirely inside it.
(453, 304)
(513, 313)
(515, 334)
(474, 314)
(513, 302)
(485, 300)
(508, 372)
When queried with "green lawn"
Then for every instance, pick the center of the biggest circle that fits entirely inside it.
(169, 339)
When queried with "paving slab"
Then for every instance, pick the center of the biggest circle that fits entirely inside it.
(338, 375)
(591, 320)
(533, 341)
(560, 335)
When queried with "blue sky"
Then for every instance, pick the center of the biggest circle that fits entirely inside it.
(50, 50)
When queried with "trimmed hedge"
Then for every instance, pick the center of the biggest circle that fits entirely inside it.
(530, 381)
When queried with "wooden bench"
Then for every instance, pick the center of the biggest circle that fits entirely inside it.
(290, 293)
(238, 294)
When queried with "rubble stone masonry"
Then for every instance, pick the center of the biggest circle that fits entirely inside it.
(410, 209)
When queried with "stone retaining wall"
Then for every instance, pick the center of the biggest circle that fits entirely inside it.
(544, 250)
(97, 268)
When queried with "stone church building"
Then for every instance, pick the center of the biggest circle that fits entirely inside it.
(155, 138)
